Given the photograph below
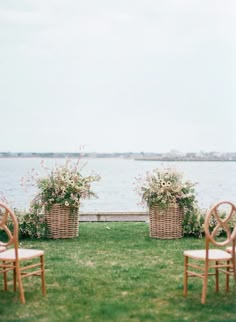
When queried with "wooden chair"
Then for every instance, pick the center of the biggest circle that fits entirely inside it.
(210, 261)
(229, 249)
(22, 262)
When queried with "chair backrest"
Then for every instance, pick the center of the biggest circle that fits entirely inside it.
(221, 220)
(8, 227)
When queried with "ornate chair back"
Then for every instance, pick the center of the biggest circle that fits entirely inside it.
(223, 217)
(8, 228)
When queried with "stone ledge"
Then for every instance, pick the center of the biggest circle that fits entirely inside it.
(113, 216)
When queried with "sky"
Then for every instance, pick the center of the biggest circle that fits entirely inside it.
(118, 76)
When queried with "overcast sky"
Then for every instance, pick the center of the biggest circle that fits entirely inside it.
(118, 76)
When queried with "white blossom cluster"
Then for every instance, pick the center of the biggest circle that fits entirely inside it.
(63, 185)
(165, 186)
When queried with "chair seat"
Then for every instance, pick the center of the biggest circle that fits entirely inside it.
(9, 254)
(214, 254)
(229, 249)
(2, 249)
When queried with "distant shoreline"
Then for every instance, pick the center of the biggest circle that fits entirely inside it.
(112, 157)
(136, 156)
(186, 160)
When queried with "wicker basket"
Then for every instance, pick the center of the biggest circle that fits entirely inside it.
(62, 222)
(166, 223)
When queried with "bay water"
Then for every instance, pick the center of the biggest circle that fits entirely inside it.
(116, 190)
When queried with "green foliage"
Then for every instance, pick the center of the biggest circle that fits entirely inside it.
(193, 222)
(31, 225)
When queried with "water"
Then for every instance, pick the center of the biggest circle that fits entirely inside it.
(216, 181)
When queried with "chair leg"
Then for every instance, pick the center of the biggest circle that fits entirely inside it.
(5, 278)
(14, 277)
(217, 276)
(21, 289)
(234, 268)
(43, 275)
(185, 275)
(227, 276)
(204, 287)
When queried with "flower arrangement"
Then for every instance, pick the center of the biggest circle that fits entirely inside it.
(62, 185)
(163, 187)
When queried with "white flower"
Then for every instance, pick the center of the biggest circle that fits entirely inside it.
(63, 184)
(162, 187)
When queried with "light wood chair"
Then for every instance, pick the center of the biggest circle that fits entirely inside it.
(22, 262)
(229, 249)
(211, 260)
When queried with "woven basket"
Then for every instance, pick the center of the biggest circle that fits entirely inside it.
(166, 223)
(62, 222)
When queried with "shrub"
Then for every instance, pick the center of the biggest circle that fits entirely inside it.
(193, 223)
(31, 225)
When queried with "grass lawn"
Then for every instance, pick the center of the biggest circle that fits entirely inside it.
(115, 272)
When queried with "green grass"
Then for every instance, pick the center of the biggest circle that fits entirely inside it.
(115, 272)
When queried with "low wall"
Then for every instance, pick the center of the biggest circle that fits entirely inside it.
(113, 216)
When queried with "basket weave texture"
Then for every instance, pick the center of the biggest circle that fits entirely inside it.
(166, 223)
(62, 222)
